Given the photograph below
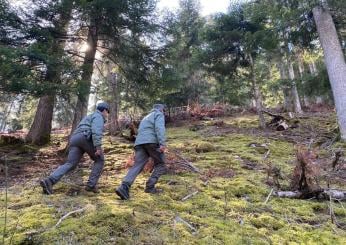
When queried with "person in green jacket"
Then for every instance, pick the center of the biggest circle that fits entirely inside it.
(86, 138)
(150, 142)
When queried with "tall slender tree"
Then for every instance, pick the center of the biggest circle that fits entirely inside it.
(335, 61)
(109, 22)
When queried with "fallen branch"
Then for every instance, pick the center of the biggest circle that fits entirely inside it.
(185, 163)
(189, 196)
(180, 220)
(68, 214)
(270, 193)
(266, 155)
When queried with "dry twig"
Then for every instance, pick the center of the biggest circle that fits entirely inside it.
(180, 220)
(70, 213)
(270, 193)
(189, 196)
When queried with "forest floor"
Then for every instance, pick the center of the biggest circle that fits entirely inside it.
(229, 201)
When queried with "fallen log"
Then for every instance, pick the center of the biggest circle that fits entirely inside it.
(338, 195)
(305, 179)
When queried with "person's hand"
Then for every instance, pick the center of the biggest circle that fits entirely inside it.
(99, 152)
(162, 148)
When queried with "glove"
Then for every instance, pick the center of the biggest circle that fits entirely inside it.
(99, 151)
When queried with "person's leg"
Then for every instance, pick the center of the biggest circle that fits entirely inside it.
(97, 167)
(74, 156)
(141, 157)
(159, 167)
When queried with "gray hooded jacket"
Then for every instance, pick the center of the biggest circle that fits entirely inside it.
(92, 126)
(152, 129)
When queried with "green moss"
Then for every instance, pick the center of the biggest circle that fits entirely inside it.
(204, 147)
(267, 221)
(224, 211)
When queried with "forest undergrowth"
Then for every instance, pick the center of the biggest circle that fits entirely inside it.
(227, 201)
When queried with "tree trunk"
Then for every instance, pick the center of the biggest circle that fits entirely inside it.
(295, 96)
(113, 81)
(257, 95)
(7, 112)
(335, 62)
(288, 104)
(85, 83)
(40, 130)
(301, 69)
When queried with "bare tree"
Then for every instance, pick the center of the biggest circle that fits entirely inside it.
(335, 62)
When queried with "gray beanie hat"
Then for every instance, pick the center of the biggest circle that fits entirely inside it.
(159, 107)
(102, 106)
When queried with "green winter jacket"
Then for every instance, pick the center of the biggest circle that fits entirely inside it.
(92, 126)
(152, 129)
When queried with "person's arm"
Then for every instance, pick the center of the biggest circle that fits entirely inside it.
(97, 125)
(160, 130)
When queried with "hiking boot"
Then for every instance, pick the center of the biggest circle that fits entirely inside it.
(153, 190)
(123, 192)
(47, 186)
(92, 189)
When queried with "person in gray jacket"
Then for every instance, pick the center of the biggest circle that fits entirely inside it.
(150, 142)
(86, 138)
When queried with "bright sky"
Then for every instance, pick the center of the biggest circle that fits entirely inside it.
(207, 6)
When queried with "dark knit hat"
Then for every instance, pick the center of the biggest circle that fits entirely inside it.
(102, 106)
(160, 107)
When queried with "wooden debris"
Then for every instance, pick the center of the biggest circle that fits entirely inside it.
(70, 213)
(185, 163)
(328, 194)
(180, 220)
(189, 196)
(288, 194)
(306, 173)
(279, 122)
(270, 193)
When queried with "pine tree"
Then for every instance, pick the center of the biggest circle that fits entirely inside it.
(59, 15)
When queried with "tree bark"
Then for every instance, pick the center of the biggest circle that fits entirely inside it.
(85, 83)
(7, 112)
(40, 130)
(295, 96)
(301, 69)
(288, 104)
(335, 62)
(113, 80)
(257, 95)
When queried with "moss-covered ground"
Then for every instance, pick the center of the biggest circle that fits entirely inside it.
(227, 209)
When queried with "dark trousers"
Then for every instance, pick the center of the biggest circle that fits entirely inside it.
(79, 144)
(142, 154)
